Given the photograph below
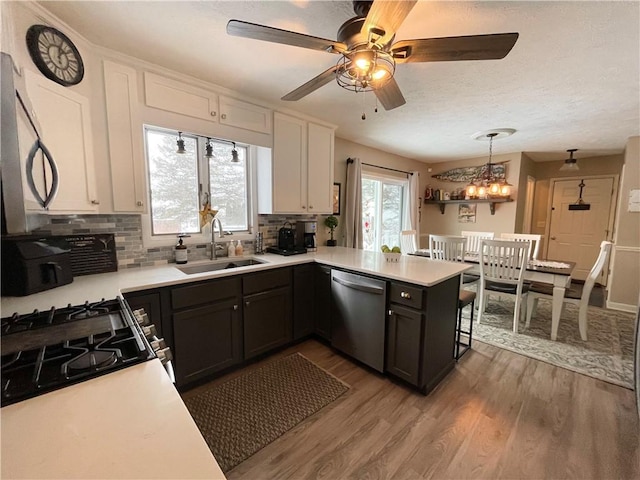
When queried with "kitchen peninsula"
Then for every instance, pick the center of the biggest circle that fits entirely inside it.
(425, 289)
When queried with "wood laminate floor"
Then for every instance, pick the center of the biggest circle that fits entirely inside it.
(498, 415)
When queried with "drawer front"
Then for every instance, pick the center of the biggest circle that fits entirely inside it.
(407, 295)
(202, 293)
(263, 281)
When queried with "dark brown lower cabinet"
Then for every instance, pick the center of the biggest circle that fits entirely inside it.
(267, 321)
(404, 331)
(207, 339)
(322, 301)
(150, 302)
(303, 300)
(421, 332)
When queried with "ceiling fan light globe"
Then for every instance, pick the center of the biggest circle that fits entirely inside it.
(380, 74)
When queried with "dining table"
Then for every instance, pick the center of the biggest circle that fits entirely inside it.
(553, 272)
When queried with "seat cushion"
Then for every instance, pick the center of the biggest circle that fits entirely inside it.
(470, 277)
(505, 287)
(465, 298)
(547, 289)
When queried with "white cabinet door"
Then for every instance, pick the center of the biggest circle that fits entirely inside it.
(236, 113)
(320, 169)
(65, 122)
(178, 97)
(125, 138)
(289, 164)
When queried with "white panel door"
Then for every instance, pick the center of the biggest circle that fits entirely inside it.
(320, 169)
(575, 235)
(289, 164)
(65, 122)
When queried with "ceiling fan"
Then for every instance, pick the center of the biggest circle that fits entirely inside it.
(368, 54)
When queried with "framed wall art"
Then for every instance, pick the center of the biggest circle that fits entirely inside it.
(336, 199)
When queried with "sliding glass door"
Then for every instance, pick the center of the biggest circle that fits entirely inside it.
(382, 211)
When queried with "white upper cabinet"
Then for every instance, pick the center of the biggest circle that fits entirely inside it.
(124, 131)
(173, 96)
(298, 178)
(65, 122)
(236, 113)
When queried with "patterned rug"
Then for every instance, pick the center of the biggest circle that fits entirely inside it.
(607, 355)
(241, 416)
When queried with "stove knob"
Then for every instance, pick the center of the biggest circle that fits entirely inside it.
(149, 331)
(158, 344)
(141, 316)
(164, 355)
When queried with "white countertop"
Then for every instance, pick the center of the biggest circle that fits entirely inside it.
(132, 423)
(127, 424)
(411, 269)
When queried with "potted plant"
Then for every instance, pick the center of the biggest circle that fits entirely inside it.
(331, 222)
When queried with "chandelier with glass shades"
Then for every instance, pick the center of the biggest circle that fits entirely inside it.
(489, 185)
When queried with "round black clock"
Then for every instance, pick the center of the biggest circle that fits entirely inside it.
(55, 55)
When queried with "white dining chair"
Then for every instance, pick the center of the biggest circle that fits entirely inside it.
(473, 240)
(524, 237)
(408, 241)
(502, 268)
(473, 248)
(452, 248)
(544, 290)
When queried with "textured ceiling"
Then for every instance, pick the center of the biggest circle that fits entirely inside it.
(571, 81)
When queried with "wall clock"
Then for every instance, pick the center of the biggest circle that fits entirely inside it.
(55, 55)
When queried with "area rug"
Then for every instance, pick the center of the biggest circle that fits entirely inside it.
(607, 355)
(239, 417)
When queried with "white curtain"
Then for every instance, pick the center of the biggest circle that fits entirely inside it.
(353, 215)
(412, 200)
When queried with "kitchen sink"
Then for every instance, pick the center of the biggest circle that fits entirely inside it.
(218, 265)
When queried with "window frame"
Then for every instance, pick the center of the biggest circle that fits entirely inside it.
(150, 240)
(391, 180)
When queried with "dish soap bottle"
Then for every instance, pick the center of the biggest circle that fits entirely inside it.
(239, 249)
(231, 250)
(181, 251)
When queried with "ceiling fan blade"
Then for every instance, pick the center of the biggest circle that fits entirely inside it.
(312, 85)
(390, 95)
(470, 47)
(239, 28)
(387, 15)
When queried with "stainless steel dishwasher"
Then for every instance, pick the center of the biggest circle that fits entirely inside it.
(358, 317)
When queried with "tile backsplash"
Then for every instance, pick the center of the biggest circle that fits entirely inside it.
(128, 236)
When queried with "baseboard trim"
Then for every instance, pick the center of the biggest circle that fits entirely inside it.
(623, 307)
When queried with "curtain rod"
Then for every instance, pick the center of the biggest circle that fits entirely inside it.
(350, 160)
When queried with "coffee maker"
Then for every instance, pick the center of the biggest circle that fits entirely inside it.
(309, 234)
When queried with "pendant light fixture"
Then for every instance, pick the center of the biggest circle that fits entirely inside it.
(180, 143)
(489, 185)
(570, 164)
(234, 154)
(208, 149)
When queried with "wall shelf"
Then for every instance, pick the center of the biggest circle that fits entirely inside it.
(491, 201)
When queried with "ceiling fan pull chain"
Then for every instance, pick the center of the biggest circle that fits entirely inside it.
(364, 116)
(376, 109)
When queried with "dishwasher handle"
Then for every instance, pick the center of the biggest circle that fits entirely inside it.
(359, 286)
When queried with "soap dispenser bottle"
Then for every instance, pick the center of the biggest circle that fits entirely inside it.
(239, 249)
(181, 251)
(231, 250)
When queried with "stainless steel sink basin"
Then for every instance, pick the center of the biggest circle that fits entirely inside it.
(218, 265)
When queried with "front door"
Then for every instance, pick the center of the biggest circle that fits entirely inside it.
(575, 235)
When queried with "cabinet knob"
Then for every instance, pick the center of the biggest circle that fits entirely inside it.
(303, 207)
(95, 202)
(310, 207)
(213, 114)
(139, 203)
(406, 295)
(235, 307)
(553, 238)
(390, 313)
(247, 303)
(223, 116)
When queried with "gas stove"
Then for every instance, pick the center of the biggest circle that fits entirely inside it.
(48, 350)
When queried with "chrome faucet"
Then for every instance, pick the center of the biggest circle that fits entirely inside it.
(214, 247)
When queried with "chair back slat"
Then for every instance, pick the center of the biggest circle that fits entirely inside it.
(473, 240)
(408, 241)
(503, 261)
(447, 247)
(524, 237)
(596, 270)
